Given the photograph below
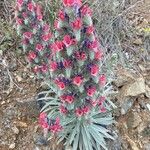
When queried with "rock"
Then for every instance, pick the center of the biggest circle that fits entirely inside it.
(138, 41)
(39, 140)
(12, 146)
(133, 145)
(133, 120)
(15, 130)
(147, 91)
(126, 105)
(147, 146)
(134, 89)
(21, 124)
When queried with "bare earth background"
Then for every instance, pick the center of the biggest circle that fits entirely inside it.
(19, 129)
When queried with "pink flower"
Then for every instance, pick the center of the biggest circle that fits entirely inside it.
(86, 110)
(39, 47)
(19, 21)
(36, 69)
(38, 10)
(47, 37)
(91, 91)
(30, 7)
(103, 109)
(79, 112)
(24, 15)
(61, 15)
(94, 45)
(102, 80)
(28, 35)
(86, 10)
(83, 56)
(57, 46)
(94, 70)
(69, 99)
(63, 110)
(61, 85)
(56, 127)
(77, 24)
(32, 56)
(56, 24)
(70, 3)
(53, 66)
(67, 63)
(101, 100)
(46, 28)
(43, 120)
(44, 68)
(77, 80)
(90, 30)
(67, 40)
(62, 98)
(19, 3)
(39, 17)
(94, 102)
(98, 55)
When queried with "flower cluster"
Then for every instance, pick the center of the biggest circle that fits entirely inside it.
(53, 126)
(72, 61)
(76, 60)
(35, 33)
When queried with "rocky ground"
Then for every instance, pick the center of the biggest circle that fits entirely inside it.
(19, 128)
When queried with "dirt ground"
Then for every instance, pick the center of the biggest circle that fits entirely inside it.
(19, 111)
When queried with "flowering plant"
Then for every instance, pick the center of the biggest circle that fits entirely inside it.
(76, 108)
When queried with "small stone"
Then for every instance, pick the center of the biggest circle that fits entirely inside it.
(138, 41)
(39, 140)
(15, 130)
(12, 146)
(21, 124)
(19, 79)
(3, 102)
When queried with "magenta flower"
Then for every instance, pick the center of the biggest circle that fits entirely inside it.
(85, 110)
(19, 21)
(61, 15)
(46, 28)
(61, 85)
(57, 46)
(44, 68)
(30, 7)
(43, 120)
(67, 40)
(67, 63)
(19, 3)
(39, 47)
(90, 30)
(69, 99)
(79, 112)
(28, 35)
(91, 91)
(53, 66)
(36, 69)
(70, 3)
(77, 24)
(94, 70)
(46, 37)
(102, 80)
(77, 80)
(31, 56)
(86, 10)
(98, 55)
(55, 127)
(24, 15)
(63, 110)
